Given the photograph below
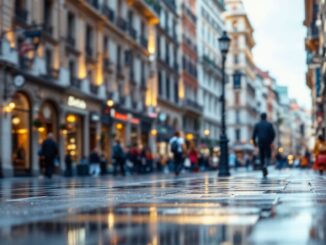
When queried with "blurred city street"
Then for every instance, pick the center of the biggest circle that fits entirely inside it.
(162, 209)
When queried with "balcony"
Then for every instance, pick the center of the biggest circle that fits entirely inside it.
(192, 106)
(25, 63)
(93, 89)
(122, 24)
(144, 42)
(21, 16)
(75, 82)
(176, 67)
(122, 100)
(149, 8)
(120, 74)
(132, 32)
(71, 41)
(94, 3)
(109, 13)
(107, 65)
(47, 29)
(189, 12)
(89, 51)
(51, 74)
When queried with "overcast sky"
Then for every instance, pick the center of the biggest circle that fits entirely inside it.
(279, 35)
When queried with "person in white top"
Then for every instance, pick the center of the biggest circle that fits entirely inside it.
(177, 148)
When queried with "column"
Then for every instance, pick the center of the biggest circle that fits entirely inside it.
(86, 135)
(35, 166)
(62, 140)
(6, 144)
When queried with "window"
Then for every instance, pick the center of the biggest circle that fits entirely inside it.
(48, 60)
(236, 59)
(47, 15)
(238, 135)
(105, 45)
(168, 90)
(237, 98)
(119, 56)
(72, 70)
(160, 84)
(176, 92)
(71, 25)
(237, 117)
(89, 40)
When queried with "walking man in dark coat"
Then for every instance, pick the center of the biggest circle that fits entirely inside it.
(50, 153)
(263, 137)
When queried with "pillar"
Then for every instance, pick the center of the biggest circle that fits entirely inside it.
(35, 164)
(86, 135)
(6, 144)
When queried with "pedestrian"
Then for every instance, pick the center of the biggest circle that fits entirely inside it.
(263, 137)
(119, 157)
(320, 154)
(68, 163)
(135, 158)
(94, 161)
(177, 148)
(193, 157)
(50, 153)
(103, 164)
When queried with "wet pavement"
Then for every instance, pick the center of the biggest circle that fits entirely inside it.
(289, 207)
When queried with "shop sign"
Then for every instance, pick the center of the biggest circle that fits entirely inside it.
(126, 118)
(75, 102)
(134, 121)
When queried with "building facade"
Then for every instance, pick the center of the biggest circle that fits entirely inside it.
(241, 93)
(210, 26)
(169, 118)
(192, 110)
(61, 62)
(315, 19)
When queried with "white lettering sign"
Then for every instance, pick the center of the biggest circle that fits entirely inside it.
(78, 103)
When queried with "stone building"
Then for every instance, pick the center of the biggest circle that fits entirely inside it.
(241, 93)
(210, 26)
(79, 69)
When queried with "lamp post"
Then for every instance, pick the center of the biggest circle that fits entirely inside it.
(224, 45)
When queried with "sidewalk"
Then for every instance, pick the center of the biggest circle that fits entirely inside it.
(286, 208)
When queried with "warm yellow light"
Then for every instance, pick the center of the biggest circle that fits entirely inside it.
(110, 103)
(15, 120)
(64, 132)
(12, 105)
(71, 119)
(154, 132)
(119, 126)
(73, 153)
(41, 129)
(7, 109)
(72, 140)
(281, 150)
(22, 131)
(206, 132)
(189, 136)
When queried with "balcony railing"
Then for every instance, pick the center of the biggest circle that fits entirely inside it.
(48, 29)
(109, 13)
(71, 41)
(94, 3)
(93, 88)
(21, 15)
(51, 74)
(75, 82)
(89, 51)
(122, 24)
(192, 104)
(132, 32)
(25, 63)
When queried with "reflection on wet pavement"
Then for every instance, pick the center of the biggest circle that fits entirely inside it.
(287, 208)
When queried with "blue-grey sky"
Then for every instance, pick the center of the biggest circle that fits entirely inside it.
(279, 35)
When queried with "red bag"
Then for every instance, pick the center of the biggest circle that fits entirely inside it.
(321, 159)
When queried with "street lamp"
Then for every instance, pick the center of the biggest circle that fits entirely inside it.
(224, 45)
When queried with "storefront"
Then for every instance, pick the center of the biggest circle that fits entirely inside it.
(21, 130)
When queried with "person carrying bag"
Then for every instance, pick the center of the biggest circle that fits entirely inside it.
(320, 154)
